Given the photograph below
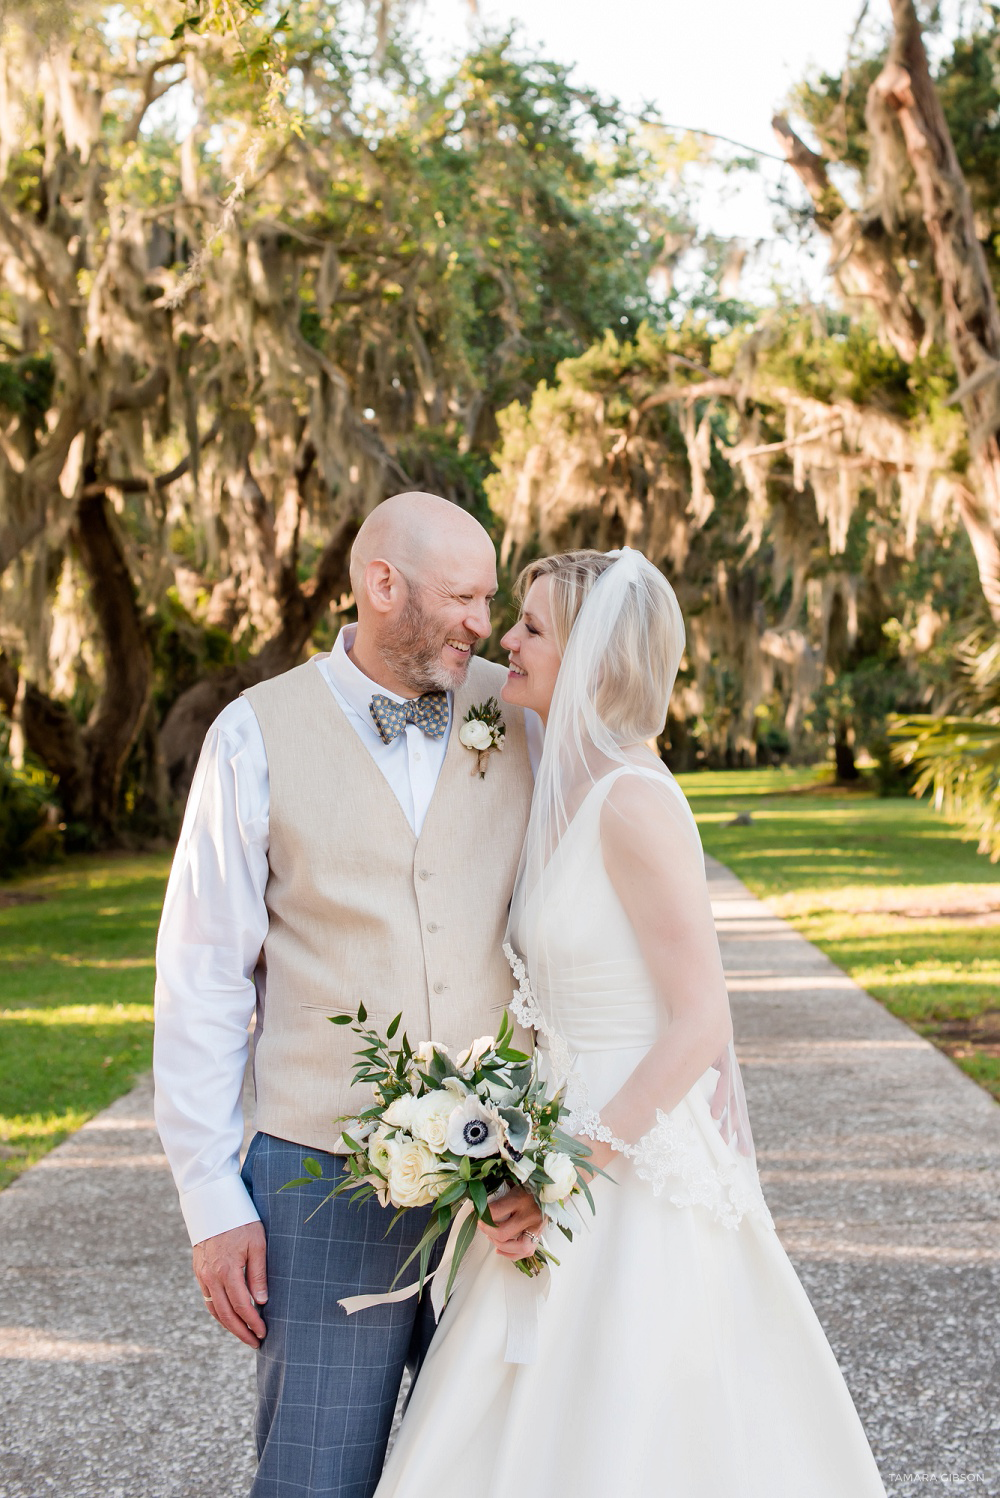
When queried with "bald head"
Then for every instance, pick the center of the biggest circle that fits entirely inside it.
(415, 532)
(424, 575)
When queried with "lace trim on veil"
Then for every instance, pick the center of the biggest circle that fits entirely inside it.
(671, 1152)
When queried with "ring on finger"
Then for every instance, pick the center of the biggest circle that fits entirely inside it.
(532, 1236)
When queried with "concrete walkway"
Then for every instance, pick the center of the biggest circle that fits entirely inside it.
(880, 1160)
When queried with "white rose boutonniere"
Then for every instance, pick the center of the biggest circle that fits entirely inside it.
(483, 730)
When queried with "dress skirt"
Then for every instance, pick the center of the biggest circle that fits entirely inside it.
(678, 1357)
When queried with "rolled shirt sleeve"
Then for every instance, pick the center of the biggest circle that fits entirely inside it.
(211, 932)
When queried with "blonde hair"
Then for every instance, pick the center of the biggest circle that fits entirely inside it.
(639, 667)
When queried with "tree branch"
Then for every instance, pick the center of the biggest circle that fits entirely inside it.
(151, 91)
(704, 390)
(825, 430)
(864, 250)
(143, 394)
(130, 485)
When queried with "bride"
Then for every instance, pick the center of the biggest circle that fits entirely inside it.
(675, 1353)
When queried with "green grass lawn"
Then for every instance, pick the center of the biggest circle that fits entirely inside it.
(872, 883)
(76, 995)
(76, 947)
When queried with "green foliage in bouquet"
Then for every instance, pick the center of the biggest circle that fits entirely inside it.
(444, 1132)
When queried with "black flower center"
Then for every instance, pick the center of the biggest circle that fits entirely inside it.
(475, 1132)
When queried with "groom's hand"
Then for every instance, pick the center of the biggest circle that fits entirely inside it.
(231, 1270)
(515, 1215)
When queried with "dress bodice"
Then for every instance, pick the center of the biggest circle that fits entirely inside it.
(585, 987)
(590, 979)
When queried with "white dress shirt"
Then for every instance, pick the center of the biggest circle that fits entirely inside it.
(213, 927)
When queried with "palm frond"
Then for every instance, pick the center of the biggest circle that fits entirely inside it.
(959, 759)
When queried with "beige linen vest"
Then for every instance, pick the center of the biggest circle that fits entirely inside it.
(362, 910)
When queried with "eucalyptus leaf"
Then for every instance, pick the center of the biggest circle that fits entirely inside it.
(466, 1233)
(518, 1126)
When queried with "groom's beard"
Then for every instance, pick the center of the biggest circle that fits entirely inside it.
(412, 651)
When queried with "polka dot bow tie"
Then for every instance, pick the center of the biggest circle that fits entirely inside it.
(429, 712)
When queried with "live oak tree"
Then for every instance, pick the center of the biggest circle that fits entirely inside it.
(922, 250)
(254, 276)
(251, 281)
(799, 496)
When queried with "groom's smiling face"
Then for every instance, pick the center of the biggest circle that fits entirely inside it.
(445, 615)
(424, 574)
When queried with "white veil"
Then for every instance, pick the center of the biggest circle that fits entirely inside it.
(611, 695)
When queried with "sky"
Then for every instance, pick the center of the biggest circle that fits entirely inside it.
(717, 65)
(721, 65)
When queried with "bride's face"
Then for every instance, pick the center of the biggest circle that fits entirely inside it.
(534, 654)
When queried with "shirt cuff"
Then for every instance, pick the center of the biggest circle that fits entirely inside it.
(216, 1207)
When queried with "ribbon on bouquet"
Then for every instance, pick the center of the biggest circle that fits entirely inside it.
(521, 1293)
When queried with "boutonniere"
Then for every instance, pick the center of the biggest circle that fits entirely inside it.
(482, 731)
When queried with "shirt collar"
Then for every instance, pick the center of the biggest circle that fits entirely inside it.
(354, 686)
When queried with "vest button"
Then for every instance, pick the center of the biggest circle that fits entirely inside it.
(439, 988)
(432, 926)
(425, 873)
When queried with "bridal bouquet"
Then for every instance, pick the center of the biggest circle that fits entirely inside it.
(454, 1133)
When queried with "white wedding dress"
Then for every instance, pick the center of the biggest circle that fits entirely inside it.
(677, 1353)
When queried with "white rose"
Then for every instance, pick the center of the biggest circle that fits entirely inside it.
(562, 1176)
(476, 735)
(423, 1054)
(414, 1180)
(401, 1113)
(430, 1122)
(470, 1059)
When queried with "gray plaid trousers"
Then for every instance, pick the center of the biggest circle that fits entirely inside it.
(327, 1383)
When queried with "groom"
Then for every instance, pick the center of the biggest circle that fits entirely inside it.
(338, 846)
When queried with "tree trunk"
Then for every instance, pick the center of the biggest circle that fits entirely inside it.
(54, 736)
(843, 754)
(191, 716)
(128, 660)
(88, 762)
(972, 320)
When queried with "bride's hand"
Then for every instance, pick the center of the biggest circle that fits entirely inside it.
(516, 1217)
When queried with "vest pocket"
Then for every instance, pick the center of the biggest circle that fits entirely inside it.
(330, 1011)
